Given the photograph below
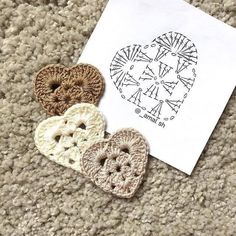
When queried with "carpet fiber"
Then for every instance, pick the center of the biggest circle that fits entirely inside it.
(39, 197)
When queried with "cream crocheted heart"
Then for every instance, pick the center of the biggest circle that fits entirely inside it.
(64, 139)
(118, 164)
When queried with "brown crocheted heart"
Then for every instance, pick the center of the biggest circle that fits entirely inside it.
(119, 164)
(57, 88)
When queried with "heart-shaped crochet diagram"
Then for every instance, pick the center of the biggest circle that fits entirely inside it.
(63, 139)
(156, 78)
(57, 88)
(118, 165)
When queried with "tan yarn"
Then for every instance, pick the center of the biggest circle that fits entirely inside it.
(57, 88)
(63, 139)
(117, 165)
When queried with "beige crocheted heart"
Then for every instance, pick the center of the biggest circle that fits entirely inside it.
(57, 88)
(119, 164)
(64, 139)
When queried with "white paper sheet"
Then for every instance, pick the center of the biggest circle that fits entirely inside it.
(169, 69)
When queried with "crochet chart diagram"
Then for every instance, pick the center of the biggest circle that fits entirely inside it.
(158, 77)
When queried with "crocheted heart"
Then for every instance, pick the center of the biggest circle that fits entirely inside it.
(64, 139)
(57, 88)
(156, 78)
(118, 164)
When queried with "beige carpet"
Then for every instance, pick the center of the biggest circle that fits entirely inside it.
(38, 197)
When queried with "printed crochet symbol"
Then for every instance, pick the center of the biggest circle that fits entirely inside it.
(156, 111)
(136, 97)
(152, 91)
(148, 74)
(156, 77)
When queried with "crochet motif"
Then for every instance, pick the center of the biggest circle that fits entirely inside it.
(119, 164)
(64, 139)
(57, 88)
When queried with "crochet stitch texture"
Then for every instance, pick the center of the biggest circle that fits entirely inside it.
(63, 139)
(117, 165)
(58, 88)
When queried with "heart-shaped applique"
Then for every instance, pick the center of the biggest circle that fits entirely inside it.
(64, 139)
(157, 77)
(57, 88)
(117, 165)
